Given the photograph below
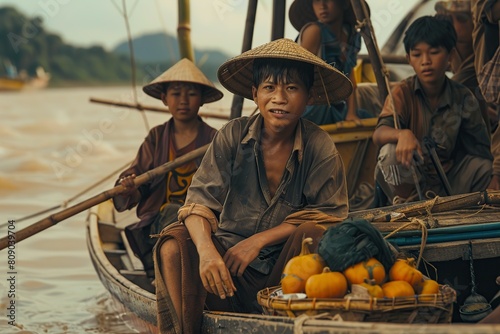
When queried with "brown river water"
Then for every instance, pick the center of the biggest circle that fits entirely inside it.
(54, 144)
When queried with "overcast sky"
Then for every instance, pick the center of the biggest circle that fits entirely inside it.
(217, 24)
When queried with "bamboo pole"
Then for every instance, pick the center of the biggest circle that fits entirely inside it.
(130, 48)
(386, 58)
(366, 30)
(278, 27)
(139, 106)
(14, 238)
(439, 204)
(237, 104)
(184, 30)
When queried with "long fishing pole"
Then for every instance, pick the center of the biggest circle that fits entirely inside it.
(125, 15)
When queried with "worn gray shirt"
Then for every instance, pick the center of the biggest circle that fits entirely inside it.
(232, 182)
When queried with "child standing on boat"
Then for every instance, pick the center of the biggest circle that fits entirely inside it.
(429, 106)
(327, 29)
(264, 183)
(183, 89)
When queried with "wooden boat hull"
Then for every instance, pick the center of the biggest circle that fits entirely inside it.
(126, 294)
(11, 84)
(129, 291)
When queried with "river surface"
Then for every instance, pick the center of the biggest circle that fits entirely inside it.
(54, 144)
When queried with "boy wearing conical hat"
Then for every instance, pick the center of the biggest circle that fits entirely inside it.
(264, 183)
(183, 88)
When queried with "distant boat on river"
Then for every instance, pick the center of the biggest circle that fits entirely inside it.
(12, 81)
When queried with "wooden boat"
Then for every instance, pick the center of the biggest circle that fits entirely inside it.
(122, 275)
(11, 84)
(134, 298)
(19, 83)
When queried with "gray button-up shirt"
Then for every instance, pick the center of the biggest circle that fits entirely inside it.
(232, 182)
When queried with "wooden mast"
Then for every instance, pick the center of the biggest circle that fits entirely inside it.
(362, 16)
(237, 104)
(278, 27)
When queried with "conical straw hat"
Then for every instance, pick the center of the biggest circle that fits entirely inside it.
(301, 12)
(330, 85)
(453, 6)
(184, 70)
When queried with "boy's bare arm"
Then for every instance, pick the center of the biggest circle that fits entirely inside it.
(405, 140)
(213, 271)
(311, 38)
(385, 135)
(351, 103)
(238, 257)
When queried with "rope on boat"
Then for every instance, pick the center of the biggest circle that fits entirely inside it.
(422, 226)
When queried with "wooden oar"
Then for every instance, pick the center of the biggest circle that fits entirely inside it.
(43, 224)
(66, 202)
(139, 106)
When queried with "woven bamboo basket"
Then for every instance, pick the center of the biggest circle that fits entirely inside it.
(433, 309)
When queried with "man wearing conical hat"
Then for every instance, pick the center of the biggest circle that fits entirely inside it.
(183, 88)
(264, 184)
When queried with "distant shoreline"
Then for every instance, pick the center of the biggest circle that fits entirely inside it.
(78, 84)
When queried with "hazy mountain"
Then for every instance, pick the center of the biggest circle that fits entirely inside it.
(67, 64)
(162, 50)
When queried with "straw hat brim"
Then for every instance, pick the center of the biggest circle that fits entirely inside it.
(183, 71)
(301, 12)
(453, 6)
(330, 85)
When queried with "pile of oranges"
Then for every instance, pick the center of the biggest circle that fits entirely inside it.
(307, 273)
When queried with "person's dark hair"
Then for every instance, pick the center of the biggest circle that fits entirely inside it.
(431, 30)
(282, 70)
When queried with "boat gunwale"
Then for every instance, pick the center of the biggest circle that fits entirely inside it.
(112, 279)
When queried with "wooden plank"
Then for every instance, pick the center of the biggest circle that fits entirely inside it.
(482, 249)
(139, 278)
(114, 256)
(220, 322)
(134, 260)
(109, 233)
